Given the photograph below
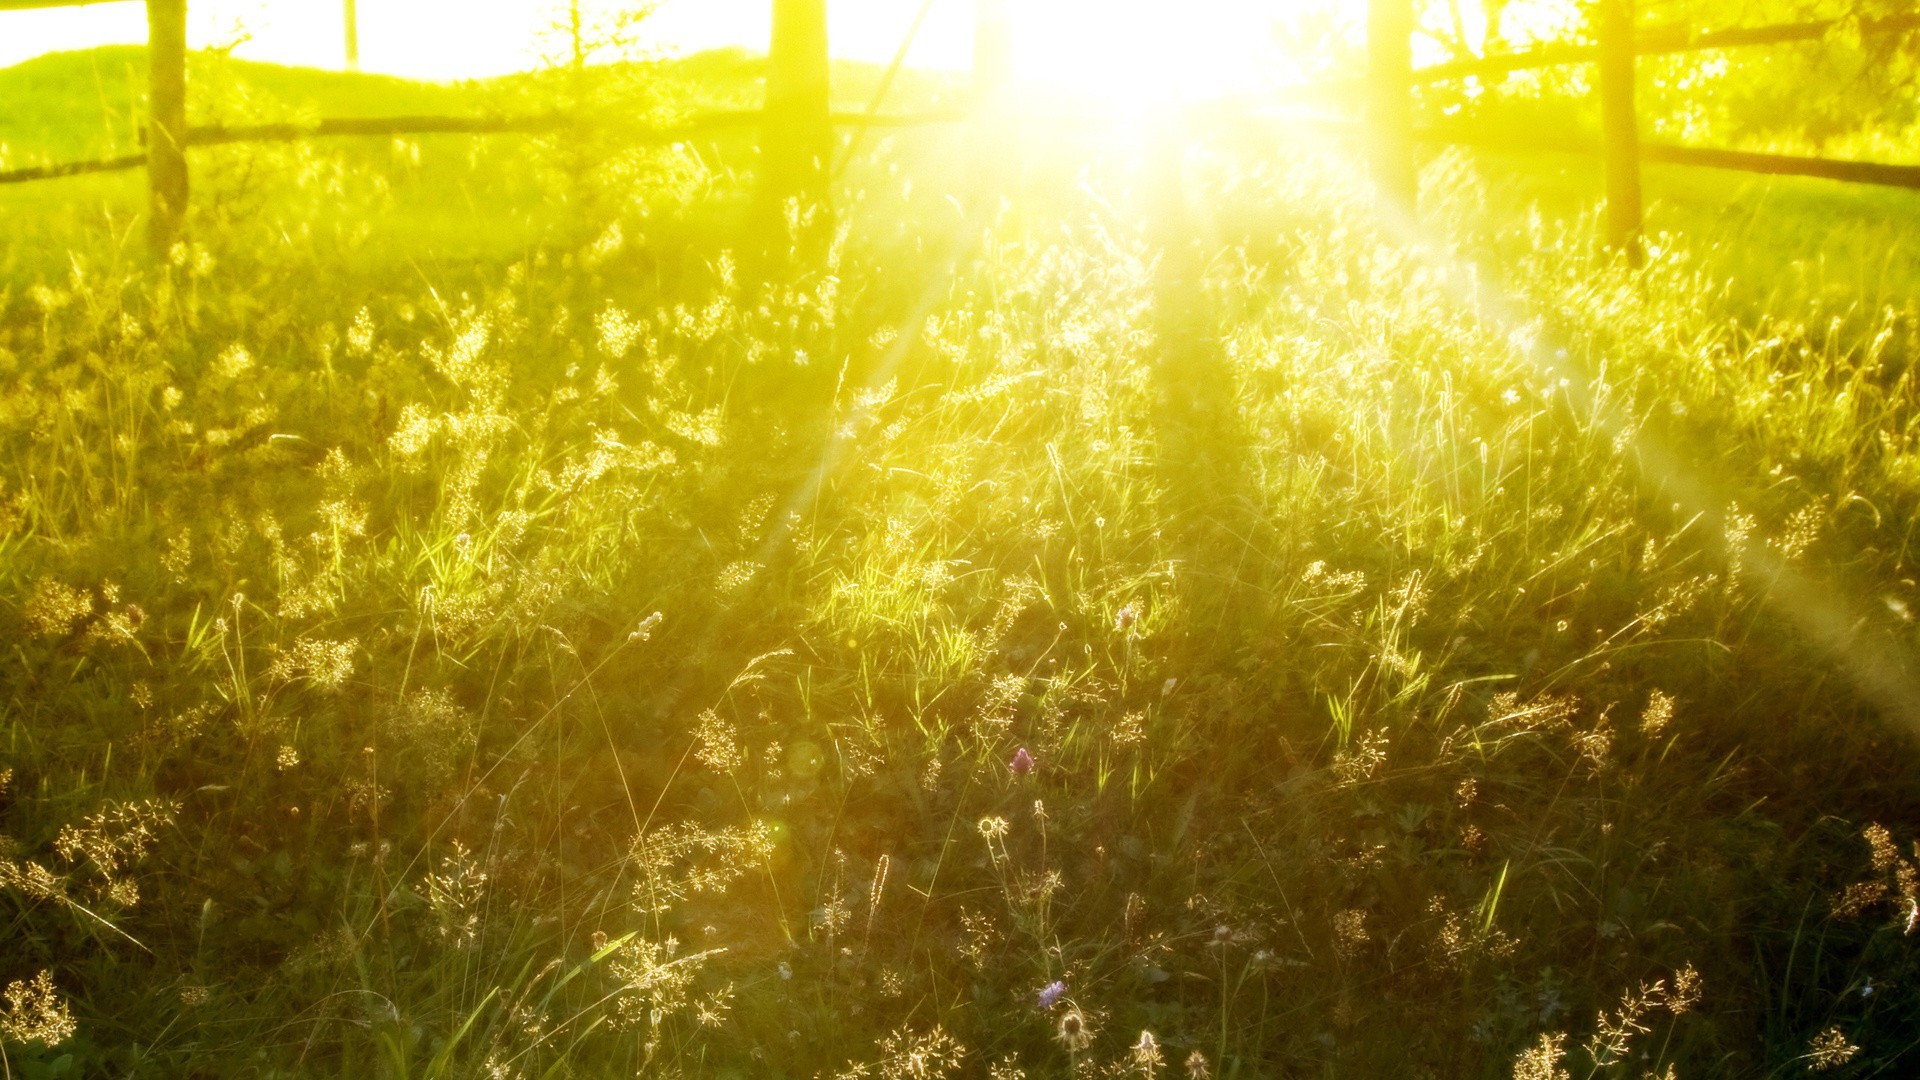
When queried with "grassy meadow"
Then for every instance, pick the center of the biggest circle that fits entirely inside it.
(1117, 607)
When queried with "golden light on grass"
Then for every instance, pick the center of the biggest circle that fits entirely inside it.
(460, 623)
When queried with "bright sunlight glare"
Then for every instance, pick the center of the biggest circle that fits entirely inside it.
(1124, 52)
(1131, 53)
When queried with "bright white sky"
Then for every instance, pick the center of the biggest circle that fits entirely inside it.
(1117, 42)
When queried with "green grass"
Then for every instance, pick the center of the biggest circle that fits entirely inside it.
(1429, 644)
(91, 103)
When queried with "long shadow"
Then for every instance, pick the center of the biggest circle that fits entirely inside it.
(1203, 450)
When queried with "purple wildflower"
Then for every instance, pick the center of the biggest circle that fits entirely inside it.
(1051, 993)
(1022, 762)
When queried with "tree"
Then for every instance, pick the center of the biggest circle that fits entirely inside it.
(796, 154)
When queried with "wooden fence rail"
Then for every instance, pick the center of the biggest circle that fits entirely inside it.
(1659, 41)
(796, 121)
(1614, 47)
(73, 168)
(796, 124)
(1699, 157)
(25, 5)
(696, 126)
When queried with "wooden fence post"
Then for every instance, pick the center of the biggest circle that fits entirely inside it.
(992, 53)
(797, 136)
(350, 17)
(167, 123)
(1619, 126)
(1390, 102)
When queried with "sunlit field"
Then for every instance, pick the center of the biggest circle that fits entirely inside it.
(1099, 597)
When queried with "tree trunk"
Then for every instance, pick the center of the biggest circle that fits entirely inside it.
(167, 123)
(1620, 128)
(797, 140)
(1390, 102)
(992, 53)
(351, 16)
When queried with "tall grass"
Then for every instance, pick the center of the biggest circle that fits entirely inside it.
(1127, 620)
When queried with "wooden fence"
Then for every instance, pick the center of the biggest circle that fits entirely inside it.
(796, 118)
(797, 125)
(1615, 46)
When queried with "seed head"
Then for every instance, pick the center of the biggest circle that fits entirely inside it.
(33, 1012)
(1829, 1050)
(1073, 1031)
(1146, 1053)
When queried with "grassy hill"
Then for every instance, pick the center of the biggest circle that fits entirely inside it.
(431, 197)
(91, 103)
(1112, 606)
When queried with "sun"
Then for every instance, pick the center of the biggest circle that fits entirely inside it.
(1140, 54)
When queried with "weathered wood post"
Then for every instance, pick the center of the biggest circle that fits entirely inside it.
(1620, 128)
(350, 16)
(995, 134)
(796, 144)
(1390, 102)
(992, 53)
(167, 123)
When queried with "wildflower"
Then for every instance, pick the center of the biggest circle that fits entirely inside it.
(1125, 618)
(929, 1055)
(1074, 1032)
(1146, 1053)
(1350, 931)
(54, 609)
(1658, 715)
(117, 837)
(1197, 1068)
(33, 1012)
(718, 750)
(1051, 993)
(993, 828)
(1541, 1061)
(644, 631)
(1686, 990)
(1007, 1069)
(455, 895)
(323, 663)
(360, 334)
(1830, 1050)
(234, 362)
(1022, 762)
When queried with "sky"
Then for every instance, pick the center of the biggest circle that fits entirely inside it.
(1117, 42)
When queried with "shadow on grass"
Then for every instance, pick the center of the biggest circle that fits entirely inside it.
(1204, 455)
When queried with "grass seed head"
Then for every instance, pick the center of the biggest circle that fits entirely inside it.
(1829, 1050)
(32, 1011)
(1073, 1030)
